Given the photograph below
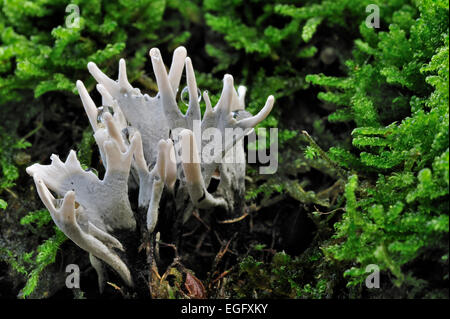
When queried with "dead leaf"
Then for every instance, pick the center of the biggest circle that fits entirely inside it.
(195, 287)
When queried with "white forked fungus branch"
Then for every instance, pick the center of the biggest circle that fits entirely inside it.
(93, 210)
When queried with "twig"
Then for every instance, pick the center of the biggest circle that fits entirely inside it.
(31, 133)
(116, 287)
(200, 241)
(234, 220)
(223, 250)
(324, 155)
(147, 82)
(191, 232)
(326, 192)
(226, 272)
(196, 215)
(171, 246)
(149, 252)
(11, 192)
(328, 213)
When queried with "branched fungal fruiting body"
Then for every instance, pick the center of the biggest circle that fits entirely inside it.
(142, 132)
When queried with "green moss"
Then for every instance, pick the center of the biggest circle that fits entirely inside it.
(45, 255)
(398, 102)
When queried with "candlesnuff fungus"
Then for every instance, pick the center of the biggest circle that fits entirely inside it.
(135, 132)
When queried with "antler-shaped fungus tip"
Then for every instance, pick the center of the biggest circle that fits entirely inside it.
(258, 118)
(123, 78)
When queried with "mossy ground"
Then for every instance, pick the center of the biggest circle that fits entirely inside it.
(367, 183)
